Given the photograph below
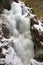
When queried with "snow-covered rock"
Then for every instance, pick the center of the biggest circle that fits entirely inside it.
(34, 62)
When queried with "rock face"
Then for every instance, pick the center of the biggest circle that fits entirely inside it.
(5, 4)
(34, 62)
(5, 27)
(37, 6)
(37, 30)
(16, 1)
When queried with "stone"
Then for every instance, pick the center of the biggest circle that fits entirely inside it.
(37, 29)
(5, 26)
(5, 4)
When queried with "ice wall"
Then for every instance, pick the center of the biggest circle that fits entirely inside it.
(19, 17)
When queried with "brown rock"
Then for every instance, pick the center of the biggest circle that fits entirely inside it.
(6, 29)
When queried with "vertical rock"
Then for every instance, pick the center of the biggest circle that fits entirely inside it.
(5, 4)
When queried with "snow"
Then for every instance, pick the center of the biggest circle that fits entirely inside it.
(41, 43)
(39, 27)
(2, 61)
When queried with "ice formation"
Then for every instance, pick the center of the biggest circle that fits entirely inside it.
(22, 46)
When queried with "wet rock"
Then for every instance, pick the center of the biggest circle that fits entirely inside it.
(5, 4)
(34, 62)
(37, 35)
(5, 28)
(34, 21)
(39, 56)
(16, 1)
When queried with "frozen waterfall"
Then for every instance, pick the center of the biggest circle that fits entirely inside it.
(20, 25)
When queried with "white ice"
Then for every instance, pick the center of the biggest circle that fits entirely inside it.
(22, 40)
